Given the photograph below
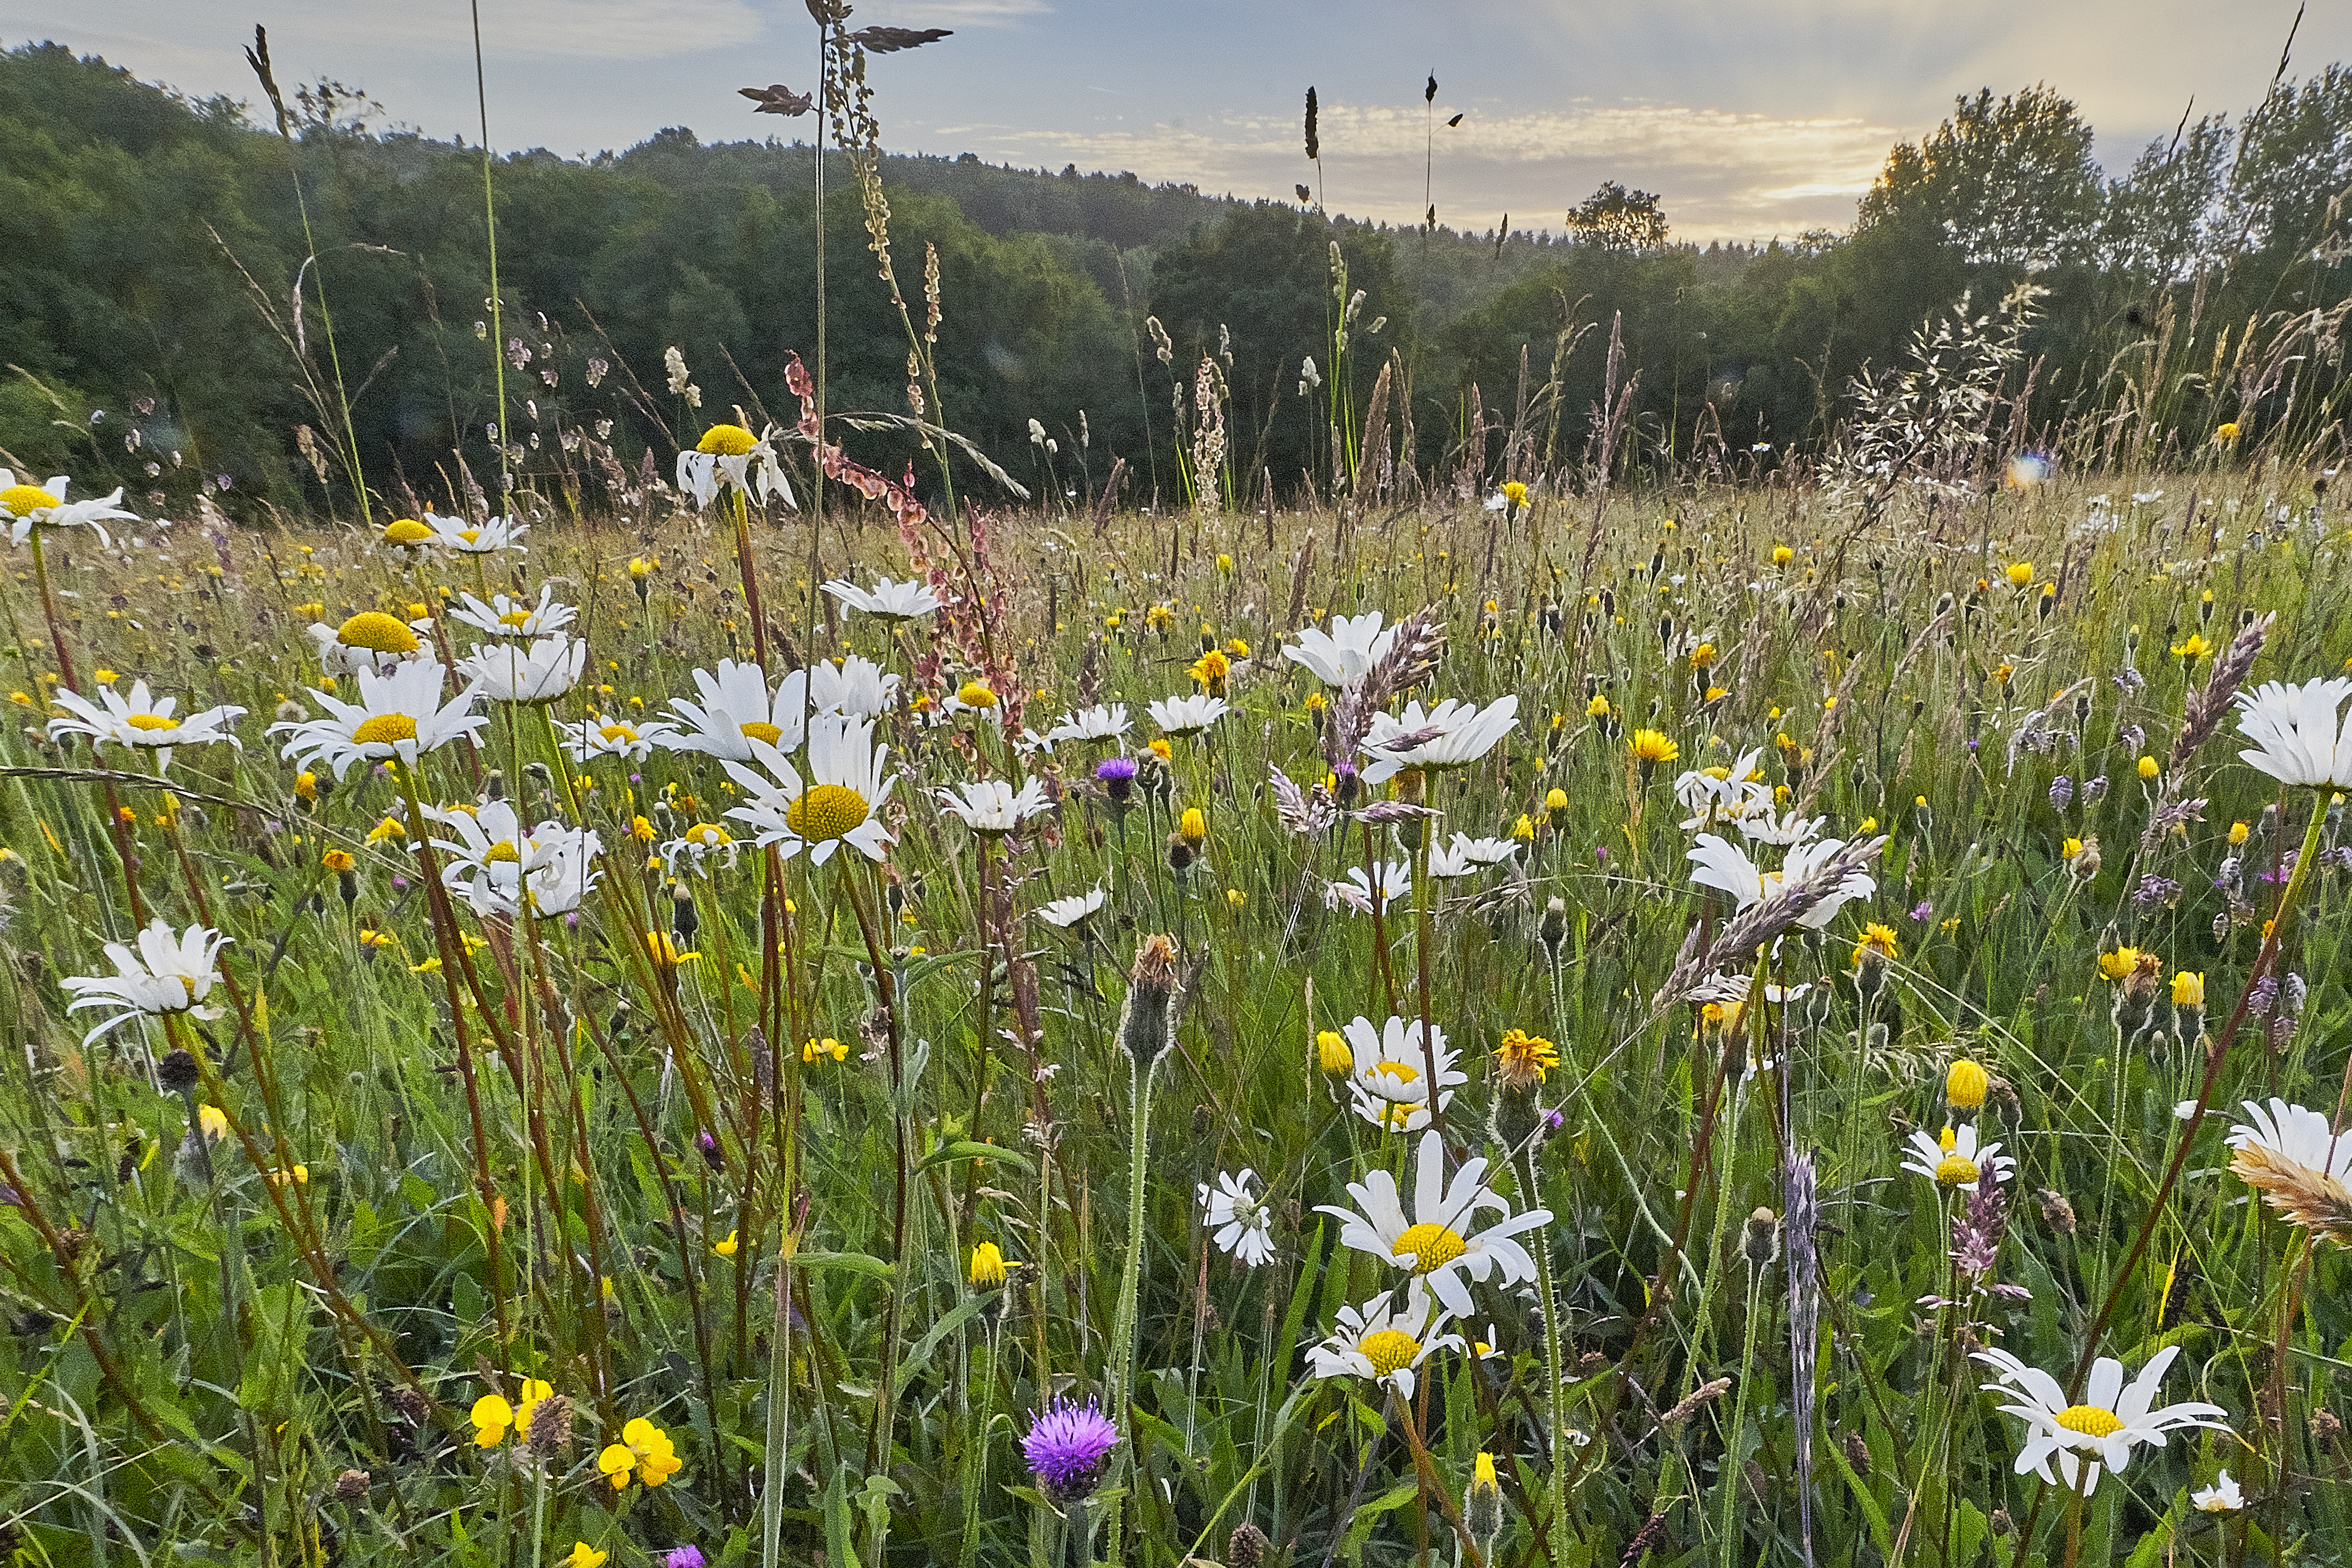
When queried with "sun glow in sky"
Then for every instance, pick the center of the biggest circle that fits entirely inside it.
(1750, 120)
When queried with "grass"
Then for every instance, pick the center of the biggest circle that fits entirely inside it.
(534, 1149)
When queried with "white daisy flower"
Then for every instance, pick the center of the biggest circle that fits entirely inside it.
(2294, 733)
(1725, 867)
(1761, 825)
(494, 537)
(1391, 881)
(600, 737)
(1463, 856)
(1712, 795)
(1241, 1219)
(855, 686)
(729, 458)
(2291, 1133)
(370, 640)
(1187, 715)
(1342, 655)
(886, 601)
(1102, 722)
(166, 974)
(1447, 736)
(993, 806)
(1070, 912)
(1389, 1070)
(399, 717)
(698, 843)
(143, 721)
(2222, 1497)
(1384, 1342)
(845, 790)
(1954, 1158)
(531, 673)
(27, 506)
(504, 868)
(2104, 1429)
(736, 710)
(1439, 1244)
(506, 616)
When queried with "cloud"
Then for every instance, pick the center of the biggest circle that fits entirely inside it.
(951, 13)
(560, 29)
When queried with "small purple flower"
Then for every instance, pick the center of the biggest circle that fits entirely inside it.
(2279, 873)
(1923, 910)
(683, 1557)
(707, 1147)
(1601, 854)
(1066, 1447)
(2155, 891)
(1116, 776)
(2062, 793)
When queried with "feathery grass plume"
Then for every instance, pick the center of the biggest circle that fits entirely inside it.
(2304, 1195)
(2208, 705)
(1757, 925)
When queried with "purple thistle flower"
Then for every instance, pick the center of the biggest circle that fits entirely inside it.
(2278, 874)
(1066, 1446)
(1116, 776)
(684, 1557)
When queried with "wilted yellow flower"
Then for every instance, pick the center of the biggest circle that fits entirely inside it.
(213, 1121)
(2226, 432)
(989, 1265)
(306, 785)
(337, 860)
(1235, 897)
(2189, 988)
(1224, 564)
(1522, 1059)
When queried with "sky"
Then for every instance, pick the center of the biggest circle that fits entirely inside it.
(1747, 119)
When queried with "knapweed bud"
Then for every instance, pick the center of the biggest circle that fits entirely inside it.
(1246, 1549)
(1552, 928)
(1146, 1027)
(177, 1072)
(1759, 1243)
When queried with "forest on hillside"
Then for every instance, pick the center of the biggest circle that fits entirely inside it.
(183, 289)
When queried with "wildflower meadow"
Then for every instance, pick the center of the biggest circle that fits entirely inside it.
(866, 1010)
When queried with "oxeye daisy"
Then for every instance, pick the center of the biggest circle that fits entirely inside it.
(2296, 739)
(504, 868)
(1722, 864)
(143, 721)
(26, 506)
(846, 787)
(886, 601)
(506, 616)
(1344, 654)
(398, 718)
(1187, 715)
(1239, 1219)
(1073, 910)
(2299, 1163)
(1104, 722)
(370, 640)
(854, 686)
(531, 674)
(1450, 735)
(598, 737)
(1440, 1244)
(1955, 1159)
(167, 972)
(729, 458)
(1384, 1342)
(2111, 1420)
(468, 538)
(992, 807)
(736, 709)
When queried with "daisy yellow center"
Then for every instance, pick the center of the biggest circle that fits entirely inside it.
(384, 729)
(515, 618)
(617, 733)
(470, 535)
(759, 732)
(379, 633)
(2091, 1420)
(1431, 1246)
(706, 835)
(23, 500)
(824, 812)
(406, 531)
(1403, 1072)
(151, 722)
(1955, 1170)
(726, 440)
(1389, 1350)
(503, 849)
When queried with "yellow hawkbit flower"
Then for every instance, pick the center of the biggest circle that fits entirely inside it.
(2226, 432)
(2118, 965)
(1159, 748)
(213, 1122)
(306, 785)
(1650, 748)
(1516, 493)
(583, 1555)
(2189, 988)
(1224, 564)
(2238, 831)
(2020, 573)
(1192, 828)
(989, 1266)
(1875, 938)
(1331, 1053)
(1235, 897)
(1524, 829)
(1965, 1085)
(1598, 708)
(1703, 657)
(1782, 555)
(1522, 1060)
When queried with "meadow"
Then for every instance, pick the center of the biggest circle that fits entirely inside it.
(754, 1031)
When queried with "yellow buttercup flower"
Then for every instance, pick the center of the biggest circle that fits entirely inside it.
(583, 1555)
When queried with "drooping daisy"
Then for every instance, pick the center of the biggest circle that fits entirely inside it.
(1439, 1244)
(166, 974)
(2294, 729)
(1389, 881)
(855, 686)
(27, 506)
(1447, 736)
(886, 601)
(599, 737)
(143, 721)
(1342, 655)
(468, 538)
(399, 717)
(736, 709)
(505, 869)
(993, 806)
(1761, 825)
(369, 640)
(1187, 715)
(529, 673)
(1384, 1342)
(2224, 1496)
(504, 616)
(2104, 1429)
(1954, 1158)
(1240, 1218)
(729, 457)
(1463, 856)
(1102, 722)
(1724, 794)
(1072, 911)
(1724, 865)
(840, 804)
(699, 843)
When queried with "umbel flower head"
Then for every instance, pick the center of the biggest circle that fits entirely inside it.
(840, 804)
(2103, 1430)
(2296, 739)
(27, 506)
(398, 718)
(143, 721)
(1066, 1447)
(166, 974)
(1439, 1245)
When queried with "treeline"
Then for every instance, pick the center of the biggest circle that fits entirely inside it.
(153, 248)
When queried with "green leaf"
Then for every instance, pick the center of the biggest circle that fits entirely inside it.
(855, 1262)
(921, 1354)
(966, 1149)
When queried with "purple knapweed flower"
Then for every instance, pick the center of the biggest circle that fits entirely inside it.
(1116, 776)
(1066, 1446)
(683, 1557)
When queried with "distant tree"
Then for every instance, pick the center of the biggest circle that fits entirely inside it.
(2295, 161)
(2009, 182)
(2161, 217)
(1615, 218)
